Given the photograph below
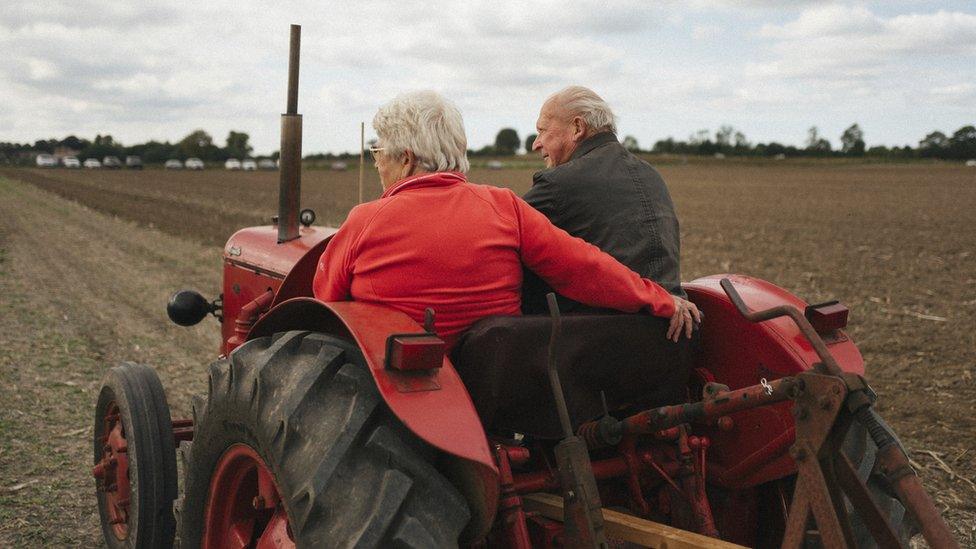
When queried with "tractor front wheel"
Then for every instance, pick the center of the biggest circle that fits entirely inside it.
(295, 447)
(135, 459)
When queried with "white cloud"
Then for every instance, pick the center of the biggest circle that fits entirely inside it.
(161, 69)
(826, 20)
(705, 32)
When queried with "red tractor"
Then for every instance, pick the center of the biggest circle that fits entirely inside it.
(344, 424)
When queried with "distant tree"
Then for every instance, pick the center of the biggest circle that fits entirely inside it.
(699, 137)
(630, 143)
(664, 146)
(852, 141)
(723, 137)
(740, 142)
(102, 146)
(45, 145)
(73, 142)
(507, 142)
(934, 145)
(237, 145)
(962, 144)
(813, 137)
(878, 150)
(199, 144)
(772, 149)
(816, 144)
(529, 141)
(154, 152)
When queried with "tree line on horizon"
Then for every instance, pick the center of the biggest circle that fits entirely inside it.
(727, 141)
(197, 144)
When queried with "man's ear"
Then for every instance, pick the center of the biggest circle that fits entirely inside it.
(579, 128)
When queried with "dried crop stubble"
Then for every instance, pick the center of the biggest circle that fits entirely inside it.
(82, 292)
(891, 241)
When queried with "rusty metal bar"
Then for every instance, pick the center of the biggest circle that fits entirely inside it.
(894, 464)
(290, 159)
(722, 404)
(557, 388)
(294, 51)
(892, 457)
(857, 492)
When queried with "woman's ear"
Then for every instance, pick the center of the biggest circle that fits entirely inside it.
(408, 163)
(408, 158)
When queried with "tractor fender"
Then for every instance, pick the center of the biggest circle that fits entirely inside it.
(739, 353)
(444, 417)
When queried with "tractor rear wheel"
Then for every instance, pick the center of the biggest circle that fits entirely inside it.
(294, 446)
(135, 459)
(863, 453)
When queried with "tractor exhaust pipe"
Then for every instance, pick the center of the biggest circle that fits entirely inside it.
(290, 160)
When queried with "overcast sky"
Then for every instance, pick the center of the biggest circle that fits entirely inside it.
(160, 69)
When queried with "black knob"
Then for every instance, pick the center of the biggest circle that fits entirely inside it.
(187, 307)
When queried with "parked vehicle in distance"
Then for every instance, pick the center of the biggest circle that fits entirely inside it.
(267, 164)
(133, 162)
(173, 164)
(495, 165)
(45, 160)
(232, 164)
(112, 162)
(338, 166)
(92, 163)
(70, 162)
(249, 165)
(193, 164)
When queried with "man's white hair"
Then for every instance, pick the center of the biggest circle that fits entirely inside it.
(585, 103)
(428, 125)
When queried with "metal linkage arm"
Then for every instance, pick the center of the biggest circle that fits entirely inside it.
(894, 462)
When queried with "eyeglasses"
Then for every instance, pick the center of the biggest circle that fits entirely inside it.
(374, 150)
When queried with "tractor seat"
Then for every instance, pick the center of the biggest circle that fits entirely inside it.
(503, 363)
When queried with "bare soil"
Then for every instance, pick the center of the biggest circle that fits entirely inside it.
(85, 280)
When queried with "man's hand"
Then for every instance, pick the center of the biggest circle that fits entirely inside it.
(685, 316)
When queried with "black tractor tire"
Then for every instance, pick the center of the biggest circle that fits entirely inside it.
(137, 393)
(349, 473)
(863, 453)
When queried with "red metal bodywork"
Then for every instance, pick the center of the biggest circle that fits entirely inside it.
(436, 406)
(254, 263)
(739, 353)
(433, 405)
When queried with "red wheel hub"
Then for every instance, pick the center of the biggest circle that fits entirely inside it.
(244, 507)
(112, 472)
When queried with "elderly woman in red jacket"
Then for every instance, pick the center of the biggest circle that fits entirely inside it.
(435, 240)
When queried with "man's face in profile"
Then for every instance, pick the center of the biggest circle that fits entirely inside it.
(557, 137)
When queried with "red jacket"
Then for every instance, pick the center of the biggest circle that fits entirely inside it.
(435, 240)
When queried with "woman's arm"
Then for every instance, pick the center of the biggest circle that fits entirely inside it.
(581, 271)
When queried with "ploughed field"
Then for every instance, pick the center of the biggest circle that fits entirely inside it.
(84, 283)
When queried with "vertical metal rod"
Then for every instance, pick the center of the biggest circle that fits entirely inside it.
(290, 160)
(293, 56)
(557, 388)
(362, 157)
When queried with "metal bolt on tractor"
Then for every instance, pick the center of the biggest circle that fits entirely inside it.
(344, 424)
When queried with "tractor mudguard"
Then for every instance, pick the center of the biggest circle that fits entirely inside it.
(444, 417)
(739, 353)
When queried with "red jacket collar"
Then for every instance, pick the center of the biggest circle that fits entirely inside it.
(437, 179)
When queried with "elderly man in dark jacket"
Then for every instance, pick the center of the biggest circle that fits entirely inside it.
(595, 189)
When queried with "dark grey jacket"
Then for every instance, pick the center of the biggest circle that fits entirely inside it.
(616, 201)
